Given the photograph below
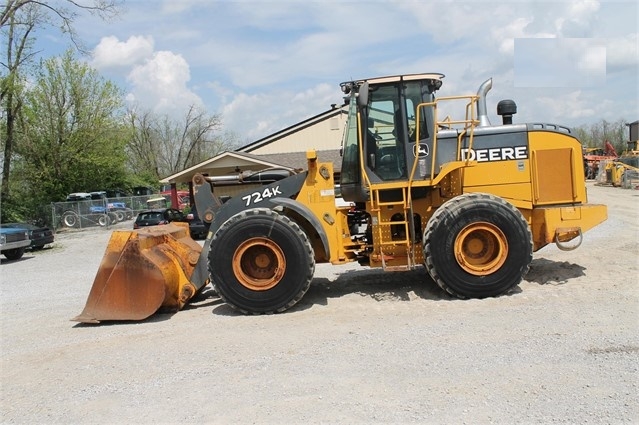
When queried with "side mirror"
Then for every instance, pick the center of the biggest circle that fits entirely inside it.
(362, 95)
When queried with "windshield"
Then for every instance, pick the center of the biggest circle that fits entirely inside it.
(350, 154)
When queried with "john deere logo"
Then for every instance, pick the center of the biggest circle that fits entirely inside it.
(420, 151)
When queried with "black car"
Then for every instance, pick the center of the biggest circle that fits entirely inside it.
(39, 235)
(158, 216)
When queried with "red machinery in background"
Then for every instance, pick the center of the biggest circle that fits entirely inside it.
(593, 156)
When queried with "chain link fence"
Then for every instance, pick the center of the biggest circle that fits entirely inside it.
(104, 212)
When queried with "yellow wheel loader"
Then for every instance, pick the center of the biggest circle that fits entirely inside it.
(619, 174)
(467, 200)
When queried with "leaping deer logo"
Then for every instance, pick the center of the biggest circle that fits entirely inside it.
(420, 151)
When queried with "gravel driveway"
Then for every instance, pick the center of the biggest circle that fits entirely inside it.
(361, 347)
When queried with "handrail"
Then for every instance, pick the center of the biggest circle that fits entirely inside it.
(469, 123)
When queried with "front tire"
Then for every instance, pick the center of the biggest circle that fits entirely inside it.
(104, 220)
(477, 245)
(261, 262)
(13, 254)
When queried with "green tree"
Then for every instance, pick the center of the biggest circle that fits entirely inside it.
(17, 28)
(19, 22)
(71, 135)
(596, 134)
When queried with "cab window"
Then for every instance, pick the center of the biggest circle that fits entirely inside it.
(386, 133)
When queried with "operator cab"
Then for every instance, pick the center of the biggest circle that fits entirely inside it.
(384, 124)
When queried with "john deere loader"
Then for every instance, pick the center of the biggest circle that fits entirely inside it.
(467, 200)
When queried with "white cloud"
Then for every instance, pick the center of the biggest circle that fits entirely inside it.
(160, 84)
(312, 39)
(158, 80)
(559, 62)
(220, 90)
(591, 59)
(253, 60)
(583, 9)
(623, 51)
(113, 53)
(176, 7)
(574, 105)
(261, 114)
(259, 107)
(579, 18)
(506, 35)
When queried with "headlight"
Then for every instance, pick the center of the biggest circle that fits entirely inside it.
(2, 240)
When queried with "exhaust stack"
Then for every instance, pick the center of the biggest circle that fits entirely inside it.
(482, 111)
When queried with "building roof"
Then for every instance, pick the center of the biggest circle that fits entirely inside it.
(222, 164)
(298, 159)
(335, 110)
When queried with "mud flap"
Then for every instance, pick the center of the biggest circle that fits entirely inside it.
(141, 272)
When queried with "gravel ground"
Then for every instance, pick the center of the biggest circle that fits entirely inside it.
(361, 347)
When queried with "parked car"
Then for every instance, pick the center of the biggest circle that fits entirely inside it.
(39, 235)
(157, 217)
(13, 242)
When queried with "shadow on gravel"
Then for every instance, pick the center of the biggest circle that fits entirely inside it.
(548, 272)
(375, 284)
(27, 256)
(157, 317)
(206, 298)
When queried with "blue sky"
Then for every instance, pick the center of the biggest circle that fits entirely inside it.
(265, 65)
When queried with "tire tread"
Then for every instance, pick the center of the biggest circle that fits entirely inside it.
(257, 212)
(453, 207)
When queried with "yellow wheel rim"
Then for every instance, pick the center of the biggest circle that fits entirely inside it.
(259, 264)
(481, 248)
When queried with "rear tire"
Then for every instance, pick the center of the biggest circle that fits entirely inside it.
(70, 219)
(261, 262)
(477, 245)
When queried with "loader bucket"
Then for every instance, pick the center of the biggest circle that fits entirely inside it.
(141, 272)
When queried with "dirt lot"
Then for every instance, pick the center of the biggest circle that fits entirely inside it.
(361, 347)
